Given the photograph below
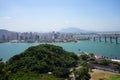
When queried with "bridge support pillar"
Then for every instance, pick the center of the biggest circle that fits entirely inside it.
(100, 39)
(94, 39)
(110, 39)
(105, 39)
(116, 40)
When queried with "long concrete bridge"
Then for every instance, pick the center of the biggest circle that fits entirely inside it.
(106, 37)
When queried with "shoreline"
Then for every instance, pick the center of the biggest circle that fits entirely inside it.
(115, 60)
(97, 56)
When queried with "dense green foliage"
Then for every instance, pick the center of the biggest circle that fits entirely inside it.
(84, 56)
(116, 66)
(87, 57)
(104, 62)
(83, 72)
(42, 59)
(32, 76)
(1, 70)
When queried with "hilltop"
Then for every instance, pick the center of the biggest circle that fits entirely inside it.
(39, 61)
(72, 30)
(75, 30)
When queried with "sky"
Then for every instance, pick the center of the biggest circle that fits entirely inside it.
(54, 15)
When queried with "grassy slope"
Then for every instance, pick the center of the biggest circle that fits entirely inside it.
(104, 75)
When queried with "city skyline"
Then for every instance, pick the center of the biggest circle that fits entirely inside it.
(54, 15)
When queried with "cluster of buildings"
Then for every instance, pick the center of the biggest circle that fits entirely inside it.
(9, 36)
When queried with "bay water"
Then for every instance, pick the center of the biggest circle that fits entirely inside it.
(8, 50)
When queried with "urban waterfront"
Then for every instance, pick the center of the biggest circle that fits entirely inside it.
(8, 50)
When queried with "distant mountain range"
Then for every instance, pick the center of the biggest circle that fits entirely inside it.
(73, 30)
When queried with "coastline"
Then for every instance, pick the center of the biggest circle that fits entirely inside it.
(115, 60)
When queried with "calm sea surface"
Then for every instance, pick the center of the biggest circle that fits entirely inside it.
(7, 50)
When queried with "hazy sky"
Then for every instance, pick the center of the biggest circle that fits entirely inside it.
(49, 15)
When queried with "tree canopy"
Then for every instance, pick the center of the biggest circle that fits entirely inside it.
(42, 59)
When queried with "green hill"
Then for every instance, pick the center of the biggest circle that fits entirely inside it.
(40, 60)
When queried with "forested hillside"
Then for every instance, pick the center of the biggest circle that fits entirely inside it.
(39, 60)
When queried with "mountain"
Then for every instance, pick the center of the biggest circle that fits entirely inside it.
(42, 59)
(72, 30)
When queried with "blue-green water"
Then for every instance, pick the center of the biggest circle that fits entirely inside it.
(7, 50)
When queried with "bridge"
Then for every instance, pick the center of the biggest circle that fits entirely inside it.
(105, 37)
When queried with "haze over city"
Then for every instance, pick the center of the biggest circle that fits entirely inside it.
(54, 15)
